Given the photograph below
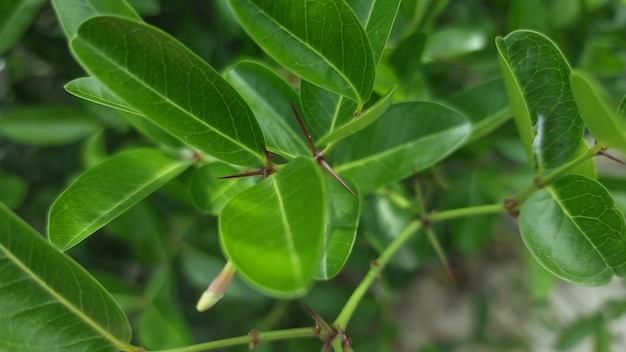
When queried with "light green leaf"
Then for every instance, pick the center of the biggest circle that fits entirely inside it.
(48, 302)
(358, 123)
(454, 42)
(91, 89)
(15, 17)
(106, 191)
(274, 231)
(343, 218)
(377, 17)
(327, 44)
(13, 189)
(485, 105)
(603, 124)
(72, 13)
(187, 98)
(574, 230)
(210, 193)
(408, 137)
(536, 77)
(47, 125)
(270, 98)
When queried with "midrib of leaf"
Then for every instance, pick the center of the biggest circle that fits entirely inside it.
(119, 344)
(297, 266)
(166, 99)
(330, 64)
(556, 197)
(127, 196)
(336, 114)
(385, 153)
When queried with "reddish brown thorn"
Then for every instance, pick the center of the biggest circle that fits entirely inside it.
(255, 339)
(267, 170)
(317, 155)
(609, 156)
(246, 174)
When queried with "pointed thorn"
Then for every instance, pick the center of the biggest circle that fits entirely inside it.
(330, 170)
(304, 130)
(611, 157)
(245, 174)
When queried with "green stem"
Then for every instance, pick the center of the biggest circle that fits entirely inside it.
(252, 339)
(346, 313)
(465, 212)
(522, 195)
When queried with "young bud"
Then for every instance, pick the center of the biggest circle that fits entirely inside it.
(218, 287)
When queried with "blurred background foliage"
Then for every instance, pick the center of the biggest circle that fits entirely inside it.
(157, 258)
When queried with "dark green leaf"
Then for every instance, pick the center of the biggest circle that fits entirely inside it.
(408, 137)
(327, 44)
(187, 98)
(536, 77)
(574, 230)
(15, 17)
(210, 193)
(377, 17)
(576, 332)
(270, 98)
(47, 125)
(603, 124)
(106, 191)
(12, 189)
(323, 110)
(274, 231)
(48, 302)
(406, 59)
(343, 218)
(72, 13)
(91, 89)
(485, 105)
(527, 14)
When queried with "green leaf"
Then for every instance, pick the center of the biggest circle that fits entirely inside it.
(270, 98)
(162, 325)
(15, 17)
(343, 218)
(91, 89)
(406, 58)
(72, 13)
(274, 231)
(454, 42)
(574, 230)
(358, 123)
(377, 17)
(536, 77)
(603, 124)
(106, 191)
(187, 98)
(573, 334)
(48, 302)
(485, 105)
(322, 110)
(408, 137)
(327, 44)
(13, 189)
(47, 125)
(210, 193)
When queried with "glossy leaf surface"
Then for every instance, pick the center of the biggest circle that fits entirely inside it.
(47, 125)
(274, 231)
(187, 98)
(599, 119)
(15, 17)
(574, 230)
(210, 193)
(322, 110)
(327, 44)
(106, 191)
(377, 17)
(72, 13)
(91, 89)
(48, 302)
(270, 98)
(536, 77)
(343, 218)
(409, 136)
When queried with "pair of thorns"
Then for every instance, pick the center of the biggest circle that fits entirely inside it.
(268, 169)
